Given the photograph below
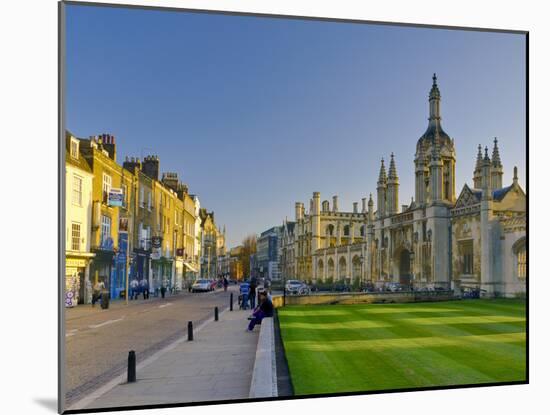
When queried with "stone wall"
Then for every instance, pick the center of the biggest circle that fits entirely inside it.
(363, 298)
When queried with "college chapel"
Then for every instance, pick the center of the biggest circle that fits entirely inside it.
(477, 240)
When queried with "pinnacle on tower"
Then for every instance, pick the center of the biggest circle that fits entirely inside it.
(479, 160)
(434, 92)
(393, 171)
(515, 175)
(496, 155)
(486, 158)
(371, 203)
(382, 176)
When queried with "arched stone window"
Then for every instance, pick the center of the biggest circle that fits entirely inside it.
(356, 266)
(330, 269)
(342, 268)
(329, 230)
(362, 231)
(520, 253)
(346, 230)
(320, 269)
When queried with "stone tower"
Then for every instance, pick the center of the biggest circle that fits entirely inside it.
(435, 136)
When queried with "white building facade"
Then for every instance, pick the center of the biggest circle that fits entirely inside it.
(78, 222)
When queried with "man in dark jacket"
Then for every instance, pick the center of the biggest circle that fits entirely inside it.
(252, 293)
(264, 309)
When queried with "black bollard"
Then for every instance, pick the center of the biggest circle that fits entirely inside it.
(131, 366)
(190, 331)
(215, 313)
(231, 302)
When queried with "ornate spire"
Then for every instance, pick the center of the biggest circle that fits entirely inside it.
(392, 174)
(515, 175)
(479, 160)
(434, 92)
(435, 97)
(496, 155)
(371, 203)
(382, 176)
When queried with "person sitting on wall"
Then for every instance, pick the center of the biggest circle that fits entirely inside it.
(264, 309)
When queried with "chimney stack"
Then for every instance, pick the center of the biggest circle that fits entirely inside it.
(335, 203)
(150, 167)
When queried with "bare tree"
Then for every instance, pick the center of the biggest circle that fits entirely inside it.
(249, 248)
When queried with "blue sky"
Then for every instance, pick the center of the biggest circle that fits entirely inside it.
(257, 113)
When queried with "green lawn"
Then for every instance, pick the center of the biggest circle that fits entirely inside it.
(346, 348)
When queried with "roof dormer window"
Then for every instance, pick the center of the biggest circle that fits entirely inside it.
(74, 148)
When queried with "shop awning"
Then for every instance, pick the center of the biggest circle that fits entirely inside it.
(191, 267)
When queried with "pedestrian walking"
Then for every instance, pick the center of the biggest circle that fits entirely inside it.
(225, 283)
(98, 287)
(144, 287)
(134, 289)
(163, 286)
(252, 293)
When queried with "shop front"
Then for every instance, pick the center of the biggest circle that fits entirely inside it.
(102, 268)
(191, 272)
(140, 264)
(162, 272)
(117, 287)
(78, 289)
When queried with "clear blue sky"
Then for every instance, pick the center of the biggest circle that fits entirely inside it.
(257, 113)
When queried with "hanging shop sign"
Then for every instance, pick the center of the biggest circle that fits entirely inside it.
(116, 197)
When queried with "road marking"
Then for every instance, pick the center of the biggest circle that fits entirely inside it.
(165, 305)
(95, 326)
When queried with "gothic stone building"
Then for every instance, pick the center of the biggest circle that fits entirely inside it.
(438, 240)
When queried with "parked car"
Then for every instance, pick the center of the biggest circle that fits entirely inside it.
(296, 287)
(395, 286)
(200, 286)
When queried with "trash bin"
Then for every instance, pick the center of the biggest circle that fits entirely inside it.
(105, 299)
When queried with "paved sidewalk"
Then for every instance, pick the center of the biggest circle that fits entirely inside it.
(217, 365)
